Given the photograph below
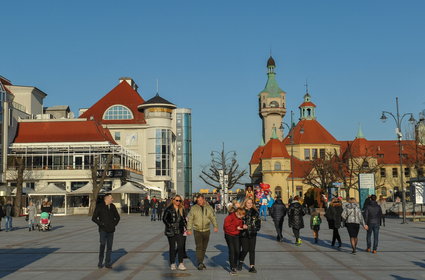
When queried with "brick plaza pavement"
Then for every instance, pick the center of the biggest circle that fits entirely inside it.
(69, 251)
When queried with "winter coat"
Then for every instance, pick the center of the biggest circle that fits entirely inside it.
(352, 214)
(373, 213)
(231, 224)
(295, 215)
(271, 202)
(200, 218)
(105, 217)
(174, 222)
(333, 215)
(253, 221)
(154, 203)
(278, 210)
(2, 214)
(31, 212)
(8, 210)
(383, 205)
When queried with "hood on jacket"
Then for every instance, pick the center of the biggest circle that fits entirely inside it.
(351, 205)
(296, 203)
(278, 201)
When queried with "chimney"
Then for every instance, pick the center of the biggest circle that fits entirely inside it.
(130, 82)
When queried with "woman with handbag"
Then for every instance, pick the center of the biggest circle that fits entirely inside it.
(353, 218)
(333, 216)
(175, 224)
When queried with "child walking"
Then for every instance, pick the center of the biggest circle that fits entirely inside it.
(315, 222)
(233, 224)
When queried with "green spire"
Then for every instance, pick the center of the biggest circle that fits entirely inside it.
(262, 142)
(272, 88)
(360, 132)
(274, 134)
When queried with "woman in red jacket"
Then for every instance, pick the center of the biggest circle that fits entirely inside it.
(233, 224)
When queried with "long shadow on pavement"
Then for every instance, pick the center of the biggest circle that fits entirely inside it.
(401, 277)
(220, 259)
(15, 259)
(272, 237)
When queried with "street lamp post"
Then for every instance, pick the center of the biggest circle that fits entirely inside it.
(398, 120)
(291, 137)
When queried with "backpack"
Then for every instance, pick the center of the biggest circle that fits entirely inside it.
(316, 221)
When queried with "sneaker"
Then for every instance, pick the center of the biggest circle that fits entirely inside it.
(233, 272)
(201, 266)
(374, 252)
(339, 246)
(181, 266)
(368, 250)
(353, 252)
(173, 266)
(99, 265)
(240, 264)
(108, 265)
(252, 270)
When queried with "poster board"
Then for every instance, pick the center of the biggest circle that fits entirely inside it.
(418, 191)
(366, 186)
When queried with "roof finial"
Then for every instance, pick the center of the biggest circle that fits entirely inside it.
(274, 134)
(306, 86)
(157, 86)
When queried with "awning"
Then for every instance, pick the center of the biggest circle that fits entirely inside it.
(86, 189)
(24, 191)
(129, 188)
(50, 189)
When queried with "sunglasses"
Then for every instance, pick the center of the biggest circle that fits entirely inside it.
(177, 200)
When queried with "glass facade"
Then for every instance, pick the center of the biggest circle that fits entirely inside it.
(2, 124)
(162, 152)
(118, 112)
(184, 152)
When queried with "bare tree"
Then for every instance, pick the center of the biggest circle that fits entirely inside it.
(350, 166)
(322, 172)
(224, 163)
(96, 181)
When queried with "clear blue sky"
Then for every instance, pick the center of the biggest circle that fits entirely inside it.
(210, 56)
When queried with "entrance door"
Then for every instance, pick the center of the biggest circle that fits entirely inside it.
(78, 162)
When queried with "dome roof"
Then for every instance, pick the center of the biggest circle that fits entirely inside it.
(270, 62)
(274, 149)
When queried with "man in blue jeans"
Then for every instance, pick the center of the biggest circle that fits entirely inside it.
(106, 217)
(8, 210)
(373, 215)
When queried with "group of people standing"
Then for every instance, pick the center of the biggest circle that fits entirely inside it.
(153, 207)
(6, 212)
(241, 227)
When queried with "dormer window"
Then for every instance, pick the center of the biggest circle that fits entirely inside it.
(274, 104)
(118, 112)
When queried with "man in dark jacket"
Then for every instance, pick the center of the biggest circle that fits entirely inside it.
(147, 205)
(8, 212)
(2, 214)
(106, 217)
(278, 213)
(373, 215)
(295, 218)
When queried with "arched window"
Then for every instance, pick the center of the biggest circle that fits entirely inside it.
(365, 164)
(274, 104)
(309, 112)
(277, 166)
(118, 112)
(278, 191)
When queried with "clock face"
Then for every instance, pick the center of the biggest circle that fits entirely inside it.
(131, 139)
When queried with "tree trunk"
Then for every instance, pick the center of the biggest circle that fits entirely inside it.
(98, 185)
(19, 185)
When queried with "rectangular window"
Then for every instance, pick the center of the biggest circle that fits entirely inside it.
(395, 172)
(307, 154)
(383, 173)
(314, 153)
(420, 172)
(322, 153)
(162, 149)
(407, 172)
(117, 135)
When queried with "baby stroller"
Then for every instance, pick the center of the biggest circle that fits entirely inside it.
(44, 223)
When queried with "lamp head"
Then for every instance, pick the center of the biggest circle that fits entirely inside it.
(412, 119)
(383, 117)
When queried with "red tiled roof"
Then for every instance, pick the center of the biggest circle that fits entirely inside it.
(300, 168)
(387, 151)
(274, 149)
(256, 156)
(122, 94)
(62, 131)
(307, 104)
(314, 133)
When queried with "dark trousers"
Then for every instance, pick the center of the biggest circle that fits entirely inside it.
(335, 236)
(106, 239)
(146, 211)
(296, 232)
(248, 246)
(234, 247)
(375, 229)
(176, 248)
(278, 224)
(201, 242)
(383, 220)
(159, 214)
